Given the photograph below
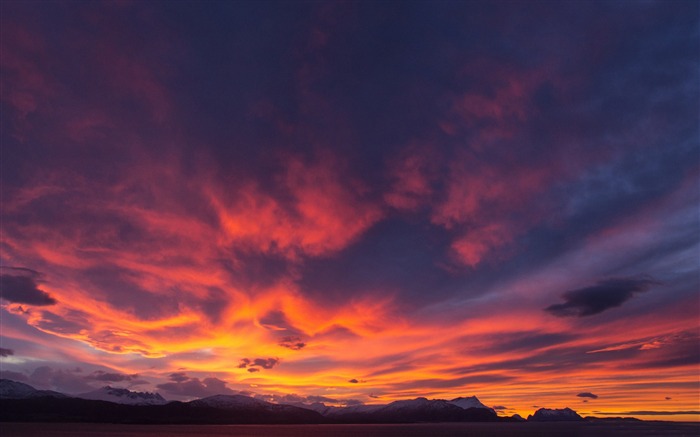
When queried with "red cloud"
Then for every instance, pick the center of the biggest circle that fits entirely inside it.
(323, 214)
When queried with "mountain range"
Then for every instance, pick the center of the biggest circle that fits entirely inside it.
(22, 402)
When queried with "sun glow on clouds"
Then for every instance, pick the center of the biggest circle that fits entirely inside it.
(319, 239)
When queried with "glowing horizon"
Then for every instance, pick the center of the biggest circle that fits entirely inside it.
(355, 202)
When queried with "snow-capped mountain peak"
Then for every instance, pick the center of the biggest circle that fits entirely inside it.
(415, 404)
(123, 396)
(15, 390)
(19, 390)
(470, 402)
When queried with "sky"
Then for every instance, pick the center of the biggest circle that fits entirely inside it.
(355, 202)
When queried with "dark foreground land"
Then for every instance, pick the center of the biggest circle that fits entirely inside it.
(560, 429)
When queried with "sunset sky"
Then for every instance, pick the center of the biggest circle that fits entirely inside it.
(356, 201)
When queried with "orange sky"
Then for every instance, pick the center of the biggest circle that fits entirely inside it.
(346, 205)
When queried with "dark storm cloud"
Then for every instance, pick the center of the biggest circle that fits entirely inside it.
(186, 386)
(293, 343)
(23, 289)
(586, 394)
(6, 352)
(609, 293)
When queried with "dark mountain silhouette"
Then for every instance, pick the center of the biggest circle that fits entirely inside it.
(554, 415)
(47, 409)
(424, 410)
(22, 403)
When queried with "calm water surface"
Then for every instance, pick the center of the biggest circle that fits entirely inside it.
(644, 429)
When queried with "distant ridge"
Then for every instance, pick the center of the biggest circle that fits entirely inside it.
(21, 402)
(19, 390)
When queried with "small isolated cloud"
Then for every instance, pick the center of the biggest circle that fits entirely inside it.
(373, 396)
(266, 363)
(354, 381)
(21, 287)
(499, 408)
(587, 394)
(257, 364)
(667, 398)
(293, 343)
(604, 295)
(6, 352)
